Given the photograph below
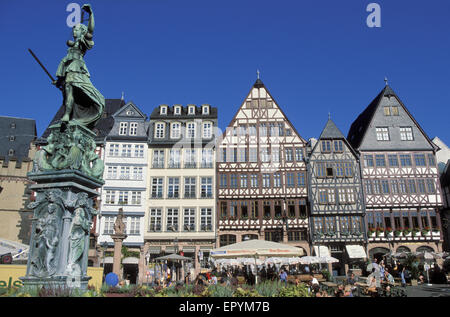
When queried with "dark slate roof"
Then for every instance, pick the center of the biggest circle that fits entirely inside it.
(331, 131)
(361, 124)
(16, 134)
(103, 126)
(184, 112)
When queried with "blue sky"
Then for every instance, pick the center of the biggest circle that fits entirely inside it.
(315, 57)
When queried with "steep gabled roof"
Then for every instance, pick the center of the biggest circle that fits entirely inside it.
(129, 104)
(360, 126)
(331, 131)
(259, 84)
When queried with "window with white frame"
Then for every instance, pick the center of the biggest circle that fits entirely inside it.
(126, 150)
(112, 172)
(158, 159)
(175, 130)
(298, 154)
(206, 219)
(244, 182)
(207, 130)
(266, 180)
(265, 157)
(406, 134)
(189, 219)
(172, 219)
(110, 197)
(242, 154)
(276, 180)
(189, 187)
(108, 227)
(189, 158)
(254, 180)
(124, 172)
(159, 130)
(382, 133)
(155, 220)
(207, 158)
(206, 187)
(205, 109)
(134, 224)
(138, 173)
(163, 110)
(157, 187)
(174, 158)
(113, 150)
(190, 130)
(177, 110)
(133, 128)
(123, 128)
(123, 197)
(275, 154)
(253, 154)
(139, 150)
(191, 110)
(136, 198)
(173, 187)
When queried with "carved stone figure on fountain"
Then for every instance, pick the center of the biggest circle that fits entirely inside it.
(49, 210)
(79, 232)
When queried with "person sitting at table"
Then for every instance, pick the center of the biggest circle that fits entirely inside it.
(388, 277)
(351, 280)
(372, 286)
(314, 283)
(348, 291)
(340, 291)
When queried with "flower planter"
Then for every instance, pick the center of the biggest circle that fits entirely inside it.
(372, 234)
(380, 234)
(436, 233)
(409, 234)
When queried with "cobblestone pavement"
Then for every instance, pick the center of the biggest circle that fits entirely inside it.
(435, 290)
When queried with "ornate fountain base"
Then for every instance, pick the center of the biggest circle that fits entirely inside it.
(63, 211)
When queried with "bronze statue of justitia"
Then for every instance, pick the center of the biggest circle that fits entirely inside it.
(83, 102)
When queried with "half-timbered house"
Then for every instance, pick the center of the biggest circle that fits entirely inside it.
(400, 178)
(261, 175)
(336, 200)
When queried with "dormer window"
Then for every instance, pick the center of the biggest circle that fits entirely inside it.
(12, 138)
(177, 110)
(11, 152)
(13, 125)
(133, 128)
(130, 113)
(123, 128)
(159, 130)
(163, 110)
(205, 109)
(191, 110)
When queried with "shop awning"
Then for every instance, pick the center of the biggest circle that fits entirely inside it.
(321, 251)
(356, 252)
(154, 250)
(188, 249)
(130, 260)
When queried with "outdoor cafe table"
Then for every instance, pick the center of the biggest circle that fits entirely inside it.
(328, 286)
